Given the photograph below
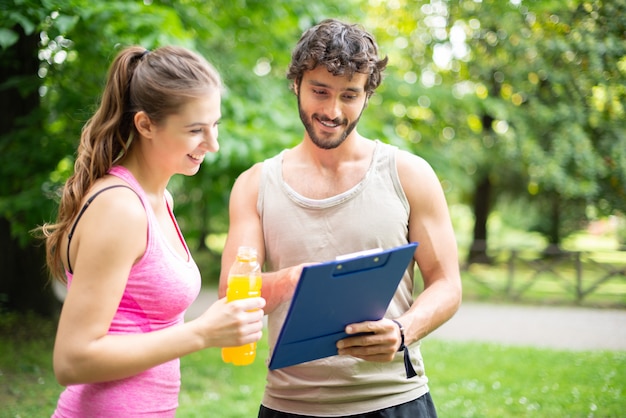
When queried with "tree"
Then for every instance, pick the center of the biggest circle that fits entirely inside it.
(21, 123)
(52, 66)
(524, 98)
(42, 87)
(572, 119)
(518, 101)
(259, 113)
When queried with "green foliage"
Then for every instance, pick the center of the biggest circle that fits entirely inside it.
(526, 94)
(259, 115)
(537, 133)
(21, 17)
(69, 80)
(549, 114)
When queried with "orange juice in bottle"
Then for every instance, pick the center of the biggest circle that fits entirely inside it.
(244, 281)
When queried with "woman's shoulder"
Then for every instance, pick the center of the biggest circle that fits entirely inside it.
(113, 201)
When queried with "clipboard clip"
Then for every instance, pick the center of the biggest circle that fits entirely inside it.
(361, 264)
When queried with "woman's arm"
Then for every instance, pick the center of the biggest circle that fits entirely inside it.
(109, 239)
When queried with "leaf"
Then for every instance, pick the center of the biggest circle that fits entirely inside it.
(7, 38)
(66, 23)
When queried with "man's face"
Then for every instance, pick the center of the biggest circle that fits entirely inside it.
(330, 106)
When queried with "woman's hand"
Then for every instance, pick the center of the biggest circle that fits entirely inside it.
(230, 324)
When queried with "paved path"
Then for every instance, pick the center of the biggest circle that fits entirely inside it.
(537, 326)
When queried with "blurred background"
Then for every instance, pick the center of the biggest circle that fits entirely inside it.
(518, 105)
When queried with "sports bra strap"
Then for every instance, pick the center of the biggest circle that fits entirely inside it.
(82, 210)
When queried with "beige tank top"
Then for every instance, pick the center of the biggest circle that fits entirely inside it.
(372, 214)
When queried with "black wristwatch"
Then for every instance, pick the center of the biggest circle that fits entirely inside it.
(410, 371)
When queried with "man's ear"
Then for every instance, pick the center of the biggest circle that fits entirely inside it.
(143, 124)
(296, 86)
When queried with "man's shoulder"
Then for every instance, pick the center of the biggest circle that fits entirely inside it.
(403, 155)
(254, 172)
(411, 166)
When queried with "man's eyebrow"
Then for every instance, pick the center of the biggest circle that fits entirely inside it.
(320, 84)
(355, 89)
(317, 83)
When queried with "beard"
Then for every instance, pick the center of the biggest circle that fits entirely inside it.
(327, 141)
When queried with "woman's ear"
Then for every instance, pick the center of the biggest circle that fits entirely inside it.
(143, 124)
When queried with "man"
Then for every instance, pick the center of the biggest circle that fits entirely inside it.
(334, 193)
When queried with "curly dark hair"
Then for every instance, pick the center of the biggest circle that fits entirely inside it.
(344, 49)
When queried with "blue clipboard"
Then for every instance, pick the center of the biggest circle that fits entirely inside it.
(333, 294)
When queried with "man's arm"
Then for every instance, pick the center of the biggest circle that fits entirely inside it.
(437, 254)
(437, 258)
(245, 228)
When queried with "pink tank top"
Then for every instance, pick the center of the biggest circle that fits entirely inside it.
(160, 287)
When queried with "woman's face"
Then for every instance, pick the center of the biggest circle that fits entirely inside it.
(181, 141)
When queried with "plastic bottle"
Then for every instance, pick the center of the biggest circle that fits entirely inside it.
(244, 281)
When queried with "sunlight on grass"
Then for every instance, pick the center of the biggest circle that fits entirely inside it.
(488, 380)
(584, 241)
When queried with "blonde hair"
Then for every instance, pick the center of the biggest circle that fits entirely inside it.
(156, 82)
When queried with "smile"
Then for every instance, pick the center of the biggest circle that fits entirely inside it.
(197, 157)
(328, 123)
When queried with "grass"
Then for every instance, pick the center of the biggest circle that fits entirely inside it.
(211, 388)
(466, 379)
(27, 385)
(489, 380)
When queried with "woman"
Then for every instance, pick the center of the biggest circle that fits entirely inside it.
(117, 244)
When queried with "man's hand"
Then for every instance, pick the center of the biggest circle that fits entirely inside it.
(372, 341)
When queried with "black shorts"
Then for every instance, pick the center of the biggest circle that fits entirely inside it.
(422, 407)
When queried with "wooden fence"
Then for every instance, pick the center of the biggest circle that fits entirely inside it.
(578, 274)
